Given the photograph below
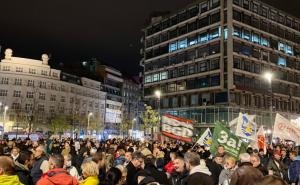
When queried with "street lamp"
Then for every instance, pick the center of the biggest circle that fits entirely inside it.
(157, 93)
(88, 126)
(4, 117)
(268, 76)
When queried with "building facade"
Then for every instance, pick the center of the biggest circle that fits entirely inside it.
(209, 61)
(35, 92)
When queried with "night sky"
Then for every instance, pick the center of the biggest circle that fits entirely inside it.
(75, 30)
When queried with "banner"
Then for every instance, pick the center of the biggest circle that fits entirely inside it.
(246, 127)
(177, 128)
(261, 139)
(284, 129)
(232, 144)
(205, 139)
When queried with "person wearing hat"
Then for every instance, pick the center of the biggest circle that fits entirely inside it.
(276, 166)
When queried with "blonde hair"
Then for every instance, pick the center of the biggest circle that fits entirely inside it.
(231, 159)
(89, 168)
(121, 152)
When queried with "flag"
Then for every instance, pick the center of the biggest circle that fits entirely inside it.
(177, 128)
(246, 127)
(232, 144)
(205, 139)
(261, 139)
(284, 129)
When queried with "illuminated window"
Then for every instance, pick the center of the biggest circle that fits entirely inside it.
(182, 44)
(173, 47)
(281, 46)
(289, 50)
(164, 75)
(246, 35)
(264, 42)
(255, 38)
(148, 79)
(155, 77)
(282, 61)
(225, 33)
(203, 38)
(214, 33)
(193, 41)
(237, 32)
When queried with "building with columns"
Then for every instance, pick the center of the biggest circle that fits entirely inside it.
(209, 60)
(34, 93)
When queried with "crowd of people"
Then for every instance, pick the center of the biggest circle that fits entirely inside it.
(130, 162)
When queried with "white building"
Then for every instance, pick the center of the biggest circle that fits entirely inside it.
(32, 89)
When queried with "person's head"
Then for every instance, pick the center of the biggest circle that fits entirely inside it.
(67, 145)
(221, 150)
(120, 152)
(68, 160)
(219, 159)
(39, 151)
(230, 162)
(293, 155)
(99, 159)
(128, 156)
(272, 180)
(25, 158)
(89, 168)
(137, 159)
(277, 155)
(191, 160)
(56, 161)
(113, 176)
(179, 165)
(15, 152)
(283, 153)
(173, 156)
(255, 160)
(250, 150)
(6, 166)
(261, 152)
(245, 158)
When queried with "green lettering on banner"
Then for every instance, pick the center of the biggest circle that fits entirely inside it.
(232, 144)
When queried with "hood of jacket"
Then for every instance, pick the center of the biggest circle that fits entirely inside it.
(20, 167)
(9, 180)
(90, 181)
(200, 168)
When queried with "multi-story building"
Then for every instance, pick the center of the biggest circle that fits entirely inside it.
(32, 89)
(209, 61)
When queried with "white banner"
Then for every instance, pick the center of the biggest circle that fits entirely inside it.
(284, 129)
(246, 127)
(206, 138)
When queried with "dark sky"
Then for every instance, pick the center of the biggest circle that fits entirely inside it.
(74, 30)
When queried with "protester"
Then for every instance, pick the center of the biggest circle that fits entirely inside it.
(294, 168)
(40, 165)
(69, 167)
(119, 158)
(133, 167)
(15, 153)
(57, 175)
(255, 160)
(90, 173)
(169, 167)
(271, 180)
(276, 167)
(216, 166)
(99, 159)
(128, 157)
(198, 172)
(226, 173)
(114, 176)
(180, 173)
(245, 174)
(7, 173)
(23, 166)
(285, 157)
(152, 171)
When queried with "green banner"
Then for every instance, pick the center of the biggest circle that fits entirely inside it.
(232, 144)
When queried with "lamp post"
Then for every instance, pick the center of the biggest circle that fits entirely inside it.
(158, 95)
(4, 118)
(88, 126)
(133, 124)
(268, 76)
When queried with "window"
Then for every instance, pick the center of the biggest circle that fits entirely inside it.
(194, 99)
(16, 106)
(203, 38)
(215, 80)
(165, 102)
(30, 83)
(255, 38)
(55, 74)
(202, 82)
(255, 7)
(19, 69)
(237, 15)
(182, 44)
(4, 81)
(289, 50)
(281, 46)
(264, 11)
(32, 71)
(214, 33)
(18, 81)
(41, 108)
(237, 32)
(45, 73)
(53, 86)
(6, 68)
(246, 35)
(264, 42)
(192, 41)
(172, 87)
(163, 75)
(214, 64)
(191, 69)
(29, 95)
(215, 18)
(42, 96)
(181, 86)
(282, 61)
(17, 94)
(173, 47)
(174, 101)
(62, 99)
(181, 71)
(203, 67)
(3, 92)
(53, 97)
(203, 7)
(156, 77)
(42, 84)
(148, 78)
(28, 107)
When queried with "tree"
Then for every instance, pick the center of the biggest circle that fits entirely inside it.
(150, 119)
(126, 126)
(59, 124)
(96, 123)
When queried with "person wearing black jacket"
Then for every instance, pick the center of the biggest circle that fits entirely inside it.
(133, 167)
(255, 160)
(197, 175)
(215, 167)
(180, 173)
(152, 171)
(22, 166)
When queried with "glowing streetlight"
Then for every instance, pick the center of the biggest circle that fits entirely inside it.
(268, 76)
(157, 94)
